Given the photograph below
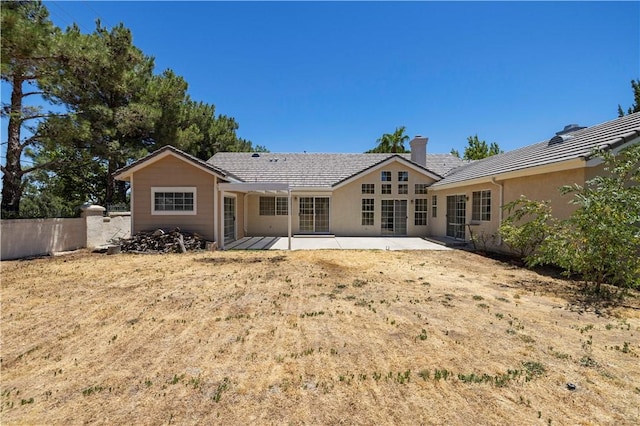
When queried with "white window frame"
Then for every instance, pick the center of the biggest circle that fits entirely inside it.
(420, 188)
(481, 205)
(368, 188)
(185, 189)
(423, 214)
(434, 206)
(280, 206)
(368, 212)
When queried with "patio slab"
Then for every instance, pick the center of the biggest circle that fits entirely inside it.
(357, 243)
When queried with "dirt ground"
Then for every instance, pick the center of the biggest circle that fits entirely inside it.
(310, 337)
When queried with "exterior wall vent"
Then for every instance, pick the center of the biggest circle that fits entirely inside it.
(559, 139)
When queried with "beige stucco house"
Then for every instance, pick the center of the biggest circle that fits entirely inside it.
(470, 198)
(233, 195)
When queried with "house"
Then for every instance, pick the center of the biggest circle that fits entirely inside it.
(470, 198)
(239, 194)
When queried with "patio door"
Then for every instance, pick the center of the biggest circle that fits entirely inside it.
(229, 219)
(456, 216)
(314, 215)
(394, 217)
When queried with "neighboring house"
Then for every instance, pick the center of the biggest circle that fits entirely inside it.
(233, 195)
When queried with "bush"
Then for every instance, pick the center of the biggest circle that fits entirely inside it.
(527, 226)
(600, 241)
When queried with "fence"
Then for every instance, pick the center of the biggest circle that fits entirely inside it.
(35, 237)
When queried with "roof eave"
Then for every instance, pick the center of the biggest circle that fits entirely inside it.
(570, 164)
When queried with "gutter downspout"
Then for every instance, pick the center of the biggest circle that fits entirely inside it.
(493, 181)
(289, 210)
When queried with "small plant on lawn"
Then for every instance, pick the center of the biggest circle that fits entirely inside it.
(92, 389)
(222, 387)
(423, 335)
(424, 374)
(441, 374)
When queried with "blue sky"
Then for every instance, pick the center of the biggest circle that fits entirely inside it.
(335, 76)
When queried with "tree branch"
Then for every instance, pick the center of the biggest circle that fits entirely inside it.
(33, 117)
(24, 95)
(28, 141)
(39, 166)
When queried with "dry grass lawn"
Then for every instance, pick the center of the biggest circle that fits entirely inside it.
(309, 337)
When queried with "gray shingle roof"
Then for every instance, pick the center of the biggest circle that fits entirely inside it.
(580, 144)
(313, 169)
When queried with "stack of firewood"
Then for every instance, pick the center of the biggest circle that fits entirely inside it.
(159, 241)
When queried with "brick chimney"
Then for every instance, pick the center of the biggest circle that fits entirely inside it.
(419, 150)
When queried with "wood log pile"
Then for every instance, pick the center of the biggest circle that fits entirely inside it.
(159, 241)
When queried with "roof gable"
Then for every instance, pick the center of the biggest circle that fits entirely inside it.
(168, 150)
(384, 163)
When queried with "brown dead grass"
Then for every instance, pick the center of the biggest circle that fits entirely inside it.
(308, 337)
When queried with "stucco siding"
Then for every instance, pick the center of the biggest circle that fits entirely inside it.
(546, 187)
(266, 226)
(438, 224)
(174, 172)
(537, 187)
(346, 218)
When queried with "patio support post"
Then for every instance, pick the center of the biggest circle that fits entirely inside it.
(289, 209)
(220, 218)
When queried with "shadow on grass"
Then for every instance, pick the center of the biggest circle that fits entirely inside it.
(580, 297)
(241, 260)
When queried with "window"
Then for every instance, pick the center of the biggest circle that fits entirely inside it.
(282, 206)
(385, 176)
(173, 200)
(386, 188)
(420, 188)
(434, 206)
(403, 176)
(274, 206)
(368, 205)
(403, 188)
(481, 205)
(368, 188)
(421, 212)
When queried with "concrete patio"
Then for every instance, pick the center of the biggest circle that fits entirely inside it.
(335, 243)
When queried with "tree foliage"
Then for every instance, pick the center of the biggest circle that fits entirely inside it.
(392, 142)
(111, 109)
(600, 241)
(28, 39)
(635, 107)
(477, 149)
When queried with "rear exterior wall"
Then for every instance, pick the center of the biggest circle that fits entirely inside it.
(173, 172)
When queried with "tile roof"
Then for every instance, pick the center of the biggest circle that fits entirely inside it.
(581, 143)
(313, 169)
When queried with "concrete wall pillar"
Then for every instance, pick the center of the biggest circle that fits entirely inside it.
(94, 218)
